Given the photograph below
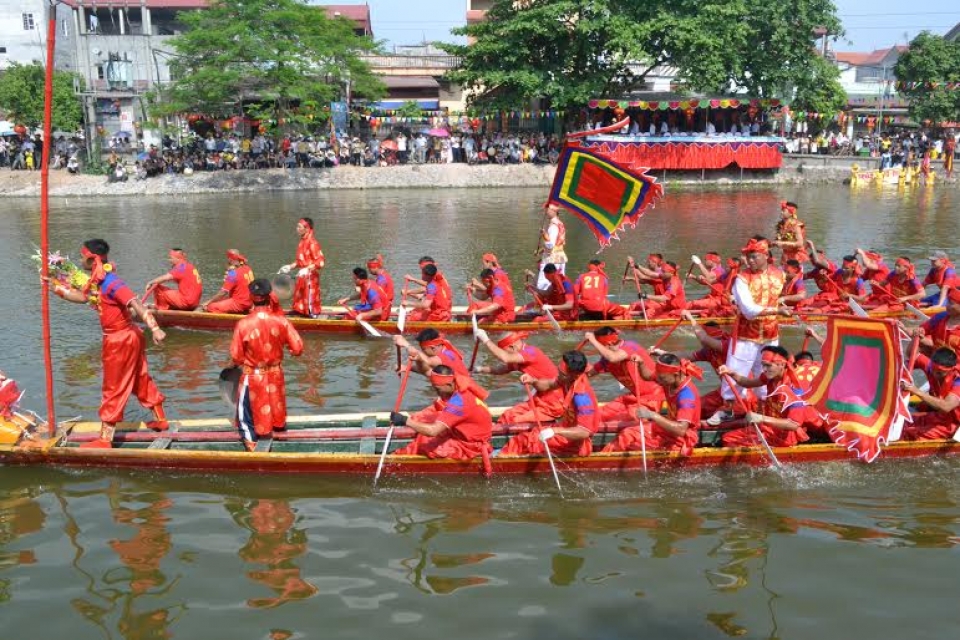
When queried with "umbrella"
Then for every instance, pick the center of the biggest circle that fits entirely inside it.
(390, 145)
(439, 133)
(143, 155)
(122, 134)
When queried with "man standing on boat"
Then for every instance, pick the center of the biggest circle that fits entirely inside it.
(580, 419)
(234, 296)
(257, 347)
(123, 357)
(791, 234)
(462, 427)
(755, 293)
(631, 366)
(186, 297)
(554, 237)
(515, 354)
(309, 263)
(676, 431)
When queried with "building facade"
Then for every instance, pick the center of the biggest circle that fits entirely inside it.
(870, 84)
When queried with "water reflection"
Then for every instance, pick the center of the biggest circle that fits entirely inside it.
(275, 544)
(20, 515)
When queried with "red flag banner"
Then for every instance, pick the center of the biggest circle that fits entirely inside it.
(858, 389)
(602, 193)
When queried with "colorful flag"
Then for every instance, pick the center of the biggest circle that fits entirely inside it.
(858, 391)
(602, 193)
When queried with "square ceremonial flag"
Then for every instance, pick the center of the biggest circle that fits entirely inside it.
(858, 388)
(604, 194)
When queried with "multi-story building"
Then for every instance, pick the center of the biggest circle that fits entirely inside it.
(870, 84)
(23, 34)
(415, 72)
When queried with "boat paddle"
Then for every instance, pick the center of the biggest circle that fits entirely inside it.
(743, 407)
(626, 270)
(396, 408)
(546, 447)
(229, 385)
(148, 293)
(669, 332)
(643, 435)
(917, 313)
(366, 326)
(401, 323)
(476, 341)
(553, 321)
(857, 309)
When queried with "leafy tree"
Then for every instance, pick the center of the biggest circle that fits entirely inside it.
(820, 91)
(21, 97)
(283, 55)
(931, 62)
(569, 51)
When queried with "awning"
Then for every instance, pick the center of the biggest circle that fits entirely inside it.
(410, 82)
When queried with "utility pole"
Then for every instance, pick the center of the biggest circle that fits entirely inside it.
(883, 93)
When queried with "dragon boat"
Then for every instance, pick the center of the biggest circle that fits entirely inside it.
(352, 444)
(332, 321)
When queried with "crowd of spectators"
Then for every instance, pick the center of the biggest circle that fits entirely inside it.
(892, 148)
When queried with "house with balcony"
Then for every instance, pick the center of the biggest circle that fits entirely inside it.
(870, 84)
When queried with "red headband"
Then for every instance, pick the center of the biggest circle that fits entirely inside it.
(873, 255)
(756, 246)
(792, 270)
(177, 255)
(732, 263)
(909, 266)
(654, 259)
(850, 263)
(713, 331)
(233, 254)
(441, 378)
(786, 206)
(305, 223)
(685, 367)
(99, 270)
(710, 255)
(432, 343)
(668, 268)
(489, 257)
(375, 263)
(773, 356)
(510, 338)
(609, 339)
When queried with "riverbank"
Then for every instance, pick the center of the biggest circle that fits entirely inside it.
(26, 184)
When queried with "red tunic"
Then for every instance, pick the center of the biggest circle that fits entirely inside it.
(682, 406)
(257, 346)
(469, 429)
(186, 297)
(236, 283)
(781, 402)
(792, 230)
(123, 353)
(546, 406)
(306, 293)
(440, 298)
(580, 408)
(627, 374)
(932, 424)
(503, 296)
(942, 335)
(561, 292)
(385, 280)
(9, 394)
(372, 297)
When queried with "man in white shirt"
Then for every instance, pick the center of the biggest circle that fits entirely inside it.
(554, 240)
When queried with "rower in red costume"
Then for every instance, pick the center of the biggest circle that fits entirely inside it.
(516, 355)
(617, 358)
(309, 264)
(186, 297)
(435, 351)
(591, 290)
(580, 418)
(941, 275)
(257, 346)
(123, 357)
(794, 291)
(667, 301)
(649, 274)
(846, 284)
(949, 149)
(875, 270)
(713, 276)
(491, 262)
(943, 329)
(461, 427)
(940, 412)
(9, 395)
(791, 234)
(900, 288)
(676, 431)
(821, 273)
(436, 301)
(382, 276)
(784, 419)
(493, 302)
(234, 296)
(559, 298)
(373, 303)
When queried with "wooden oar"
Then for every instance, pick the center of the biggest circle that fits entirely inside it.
(147, 294)
(536, 416)
(553, 321)
(396, 408)
(366, 326)
(643, 435)
(917, 313)
(476, 342)
(857, 309)
(626, 270)
(401, 323)
(669, 332)
(743, 407)
(643, 303)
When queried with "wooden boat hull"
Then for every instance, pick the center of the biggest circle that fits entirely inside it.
(211, 446)
(462, 325)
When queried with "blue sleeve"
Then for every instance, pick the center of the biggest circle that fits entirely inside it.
(583, 404)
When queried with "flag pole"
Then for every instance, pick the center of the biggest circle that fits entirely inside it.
(45, 213)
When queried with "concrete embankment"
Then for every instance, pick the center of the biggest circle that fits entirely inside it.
(796, 169)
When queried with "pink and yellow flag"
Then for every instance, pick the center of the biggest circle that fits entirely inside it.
(604, 194)
(858, 389)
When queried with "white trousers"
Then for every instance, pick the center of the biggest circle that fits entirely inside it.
(542, 282)
(745, 359)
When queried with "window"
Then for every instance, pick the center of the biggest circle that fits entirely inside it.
(28, 22)
(3, 49)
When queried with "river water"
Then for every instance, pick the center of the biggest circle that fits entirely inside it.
(836, 550)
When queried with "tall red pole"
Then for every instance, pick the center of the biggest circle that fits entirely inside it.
(45, 210)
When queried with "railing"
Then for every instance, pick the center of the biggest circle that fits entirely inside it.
(412, 62)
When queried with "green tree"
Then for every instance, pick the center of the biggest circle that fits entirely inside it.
(820, 90)
(569, 51)
(924, 70)
(282, 55)
(21, 97)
